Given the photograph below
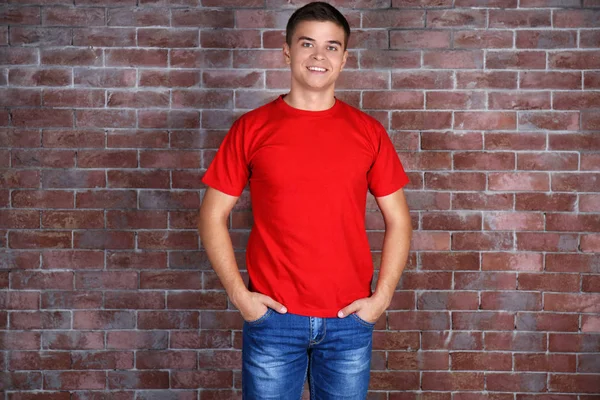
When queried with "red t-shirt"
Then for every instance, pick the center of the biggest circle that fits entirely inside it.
(309, 173)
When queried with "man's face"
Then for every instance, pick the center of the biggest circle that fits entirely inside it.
(316, 54)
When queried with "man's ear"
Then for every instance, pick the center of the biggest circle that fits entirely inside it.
(344, 59)
(286, 54)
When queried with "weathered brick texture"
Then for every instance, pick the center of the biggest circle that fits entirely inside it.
(111, 110)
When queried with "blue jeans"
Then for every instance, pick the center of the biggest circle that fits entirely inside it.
(280, 351)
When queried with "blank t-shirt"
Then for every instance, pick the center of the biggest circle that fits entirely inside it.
(309, 172)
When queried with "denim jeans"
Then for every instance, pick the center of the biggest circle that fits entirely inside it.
(280, 351)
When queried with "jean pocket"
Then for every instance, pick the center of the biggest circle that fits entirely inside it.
(362, 321)
(261, 319)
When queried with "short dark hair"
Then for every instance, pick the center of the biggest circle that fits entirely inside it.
(317, 11)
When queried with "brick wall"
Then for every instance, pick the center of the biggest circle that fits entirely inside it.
(110, 111)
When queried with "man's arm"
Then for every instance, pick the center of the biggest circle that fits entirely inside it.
(212, 227)
(396, 245)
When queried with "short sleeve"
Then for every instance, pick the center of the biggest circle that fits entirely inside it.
(229, 170)
(387, 173)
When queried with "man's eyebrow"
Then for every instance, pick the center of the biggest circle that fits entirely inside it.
(313, 40)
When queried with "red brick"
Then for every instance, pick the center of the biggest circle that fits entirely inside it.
(519, 18)
(393, 100)
(161, 200)
(20, 15)
(71, 57)
(483, 161)
(426, 280)
(428, 201)
(137, 99)
(481, 361)
(19, 219)
(513, 141)
(483, 320)
(20, 340)
(40, 77)
(138, 380)
(482, 201)
(394, 380)
(589, 202)
(448, 301)
(368, 39)
(128, 340)
(547, 162)
(32, 360)
(591, 79)
(571, 182)
(201, 98)
(428, 241)
(453, 59)
(455, 180)
(590, 243)
(106, 199)
(420, 79)
(420, 360)
(512, 262)
(511, 382)
(73, 98)
(572, 222)
(103, 360)
(99, 239)
(237, 39)
(451, 140)
(203, 379)
(545, 202)
(519, 181)
(145, 179)
(574, 60)
(452, 340)
(105, 118)
(39, 239)
(571, 262)
(486, 80)
(71, 300)
(103, 319)
(136, 57)
(106, 280)
(515, 60)
(362, 80)
(15, 138)
(105, 77)
(210, 300)
(204, 339)
(580, 343)
(73, 219)
(168, 320)
(203, 18)
(176, 119)
(550, 80)
(579, 383)
(42, 118)
(40, 320)
(138, 16)
(590, 120)
(455, 100)
(418, 320)
(451, 221)
(126, 300)
(419, 40)
(71, 16)
(519, 100)
(576, 18)
(453, 381)
(485, 280)
(168, 240)
(590, 283)
(104, 37)
(13, 260)
(393, 18)
(61, 340)
(545, 362)
(511, 301)
(485, 120)
(589, 324)
(18, 56)
(171, 38)
(42, 199)
(535, 321)
(456, 18)
(482, 241)
(476, 39)
(449, 261)
(584, 303)
(515, 341)
(167, 360)
(546, 39)
(170, 280)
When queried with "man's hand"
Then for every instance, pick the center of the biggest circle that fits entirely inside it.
(368, 309)
(254, 305)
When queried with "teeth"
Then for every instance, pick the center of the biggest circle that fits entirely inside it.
(317, 69)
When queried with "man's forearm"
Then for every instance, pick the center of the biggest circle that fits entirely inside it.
(217, 242)
(394, 255)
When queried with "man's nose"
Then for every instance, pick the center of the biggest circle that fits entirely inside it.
(317, 55)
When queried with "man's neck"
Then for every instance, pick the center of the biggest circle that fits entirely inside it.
(310, 101)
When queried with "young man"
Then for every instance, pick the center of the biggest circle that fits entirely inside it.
(310, 159)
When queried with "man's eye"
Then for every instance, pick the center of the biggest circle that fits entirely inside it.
(333, 48)
(306, 44)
